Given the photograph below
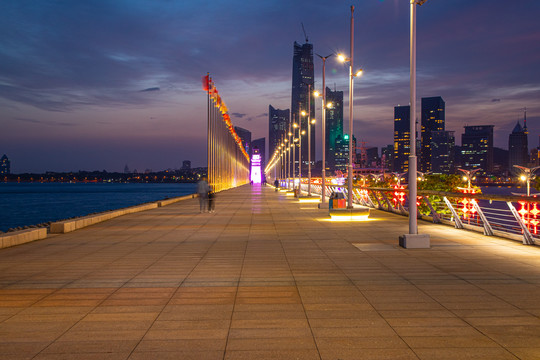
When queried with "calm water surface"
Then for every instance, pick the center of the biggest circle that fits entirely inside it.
(36, 203)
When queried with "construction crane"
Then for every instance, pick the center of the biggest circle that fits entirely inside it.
(304, 30)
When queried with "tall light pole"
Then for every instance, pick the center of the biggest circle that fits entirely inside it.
(294, 151)
(291, 171)
(309, 139)
(351, 87)
(323, 118)
(412, 239)
(302, 113)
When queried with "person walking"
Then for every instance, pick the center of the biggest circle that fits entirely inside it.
(202, 190)
(211, 200)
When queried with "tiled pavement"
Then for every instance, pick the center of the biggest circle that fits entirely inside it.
(265, 277)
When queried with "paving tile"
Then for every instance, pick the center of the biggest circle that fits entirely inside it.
(304, 354)
(267, 278)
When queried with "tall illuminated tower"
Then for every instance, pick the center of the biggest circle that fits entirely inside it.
(402, 138)
(302, 81)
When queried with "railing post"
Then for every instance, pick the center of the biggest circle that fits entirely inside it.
(527, 237)
(487, 226)
(457, 221)
(434, 214)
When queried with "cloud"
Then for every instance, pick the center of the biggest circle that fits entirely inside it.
(45, 122)
(238, 115)
(151, 89)
(495, 100)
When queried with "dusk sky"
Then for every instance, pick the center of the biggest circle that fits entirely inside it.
(96, 85)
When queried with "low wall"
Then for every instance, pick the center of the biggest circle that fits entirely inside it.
(62, 227)
(21, 237)
(173, 200)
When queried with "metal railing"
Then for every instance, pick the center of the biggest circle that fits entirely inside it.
(513, 217)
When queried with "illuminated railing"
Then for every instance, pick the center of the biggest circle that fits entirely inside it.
(513, 217)
(228, 161)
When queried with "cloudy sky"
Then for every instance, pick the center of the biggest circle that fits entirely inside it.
(98, 84)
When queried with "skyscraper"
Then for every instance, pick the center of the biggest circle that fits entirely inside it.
(477, 148)
(518, 148)
(245, 135)
(5, 165)
(432, 120)
(302, 80)
(387, 157)
(442, 152)
(334, 126)
(342, 153)
(278, 128)
(402, 138)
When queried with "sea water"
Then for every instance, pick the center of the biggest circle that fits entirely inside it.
(25, 204)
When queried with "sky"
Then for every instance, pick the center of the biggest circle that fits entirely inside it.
(101, 84)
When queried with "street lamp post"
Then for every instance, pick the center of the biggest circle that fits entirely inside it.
(351, 87)
(469, 176)
(528, 175)
(351, 149)
(412, 239)
(303, 113)
(309, 139)
(323, 120)
(294, 151)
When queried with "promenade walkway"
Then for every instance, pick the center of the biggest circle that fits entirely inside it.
(265, 277)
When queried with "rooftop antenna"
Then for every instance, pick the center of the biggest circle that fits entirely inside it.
(304, 30)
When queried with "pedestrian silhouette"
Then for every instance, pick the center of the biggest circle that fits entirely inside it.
(202, 190)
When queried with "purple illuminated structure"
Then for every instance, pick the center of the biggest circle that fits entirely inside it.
(256, 167)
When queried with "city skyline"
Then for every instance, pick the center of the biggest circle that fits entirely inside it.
(101, 84)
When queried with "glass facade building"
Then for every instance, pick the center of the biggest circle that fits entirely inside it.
(433, 109)
(402, 138)
(302, 79)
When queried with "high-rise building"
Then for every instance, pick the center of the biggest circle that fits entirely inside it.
(387, 157)
(5, 165)
(432, 120)
(342, 153)
(477, 148)
(334, 126)
(245, 136)
(302, 80)
(518, 148)
(402, 138)
(500, 161)
(278, 128)
(442, 152)
(372, 154)
(260, 144)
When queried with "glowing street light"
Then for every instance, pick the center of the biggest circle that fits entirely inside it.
(469, 175)
(528, 175)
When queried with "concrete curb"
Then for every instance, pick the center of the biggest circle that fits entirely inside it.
(21, 237)
(62, 227)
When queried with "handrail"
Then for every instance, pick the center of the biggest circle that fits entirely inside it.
(493, 215)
